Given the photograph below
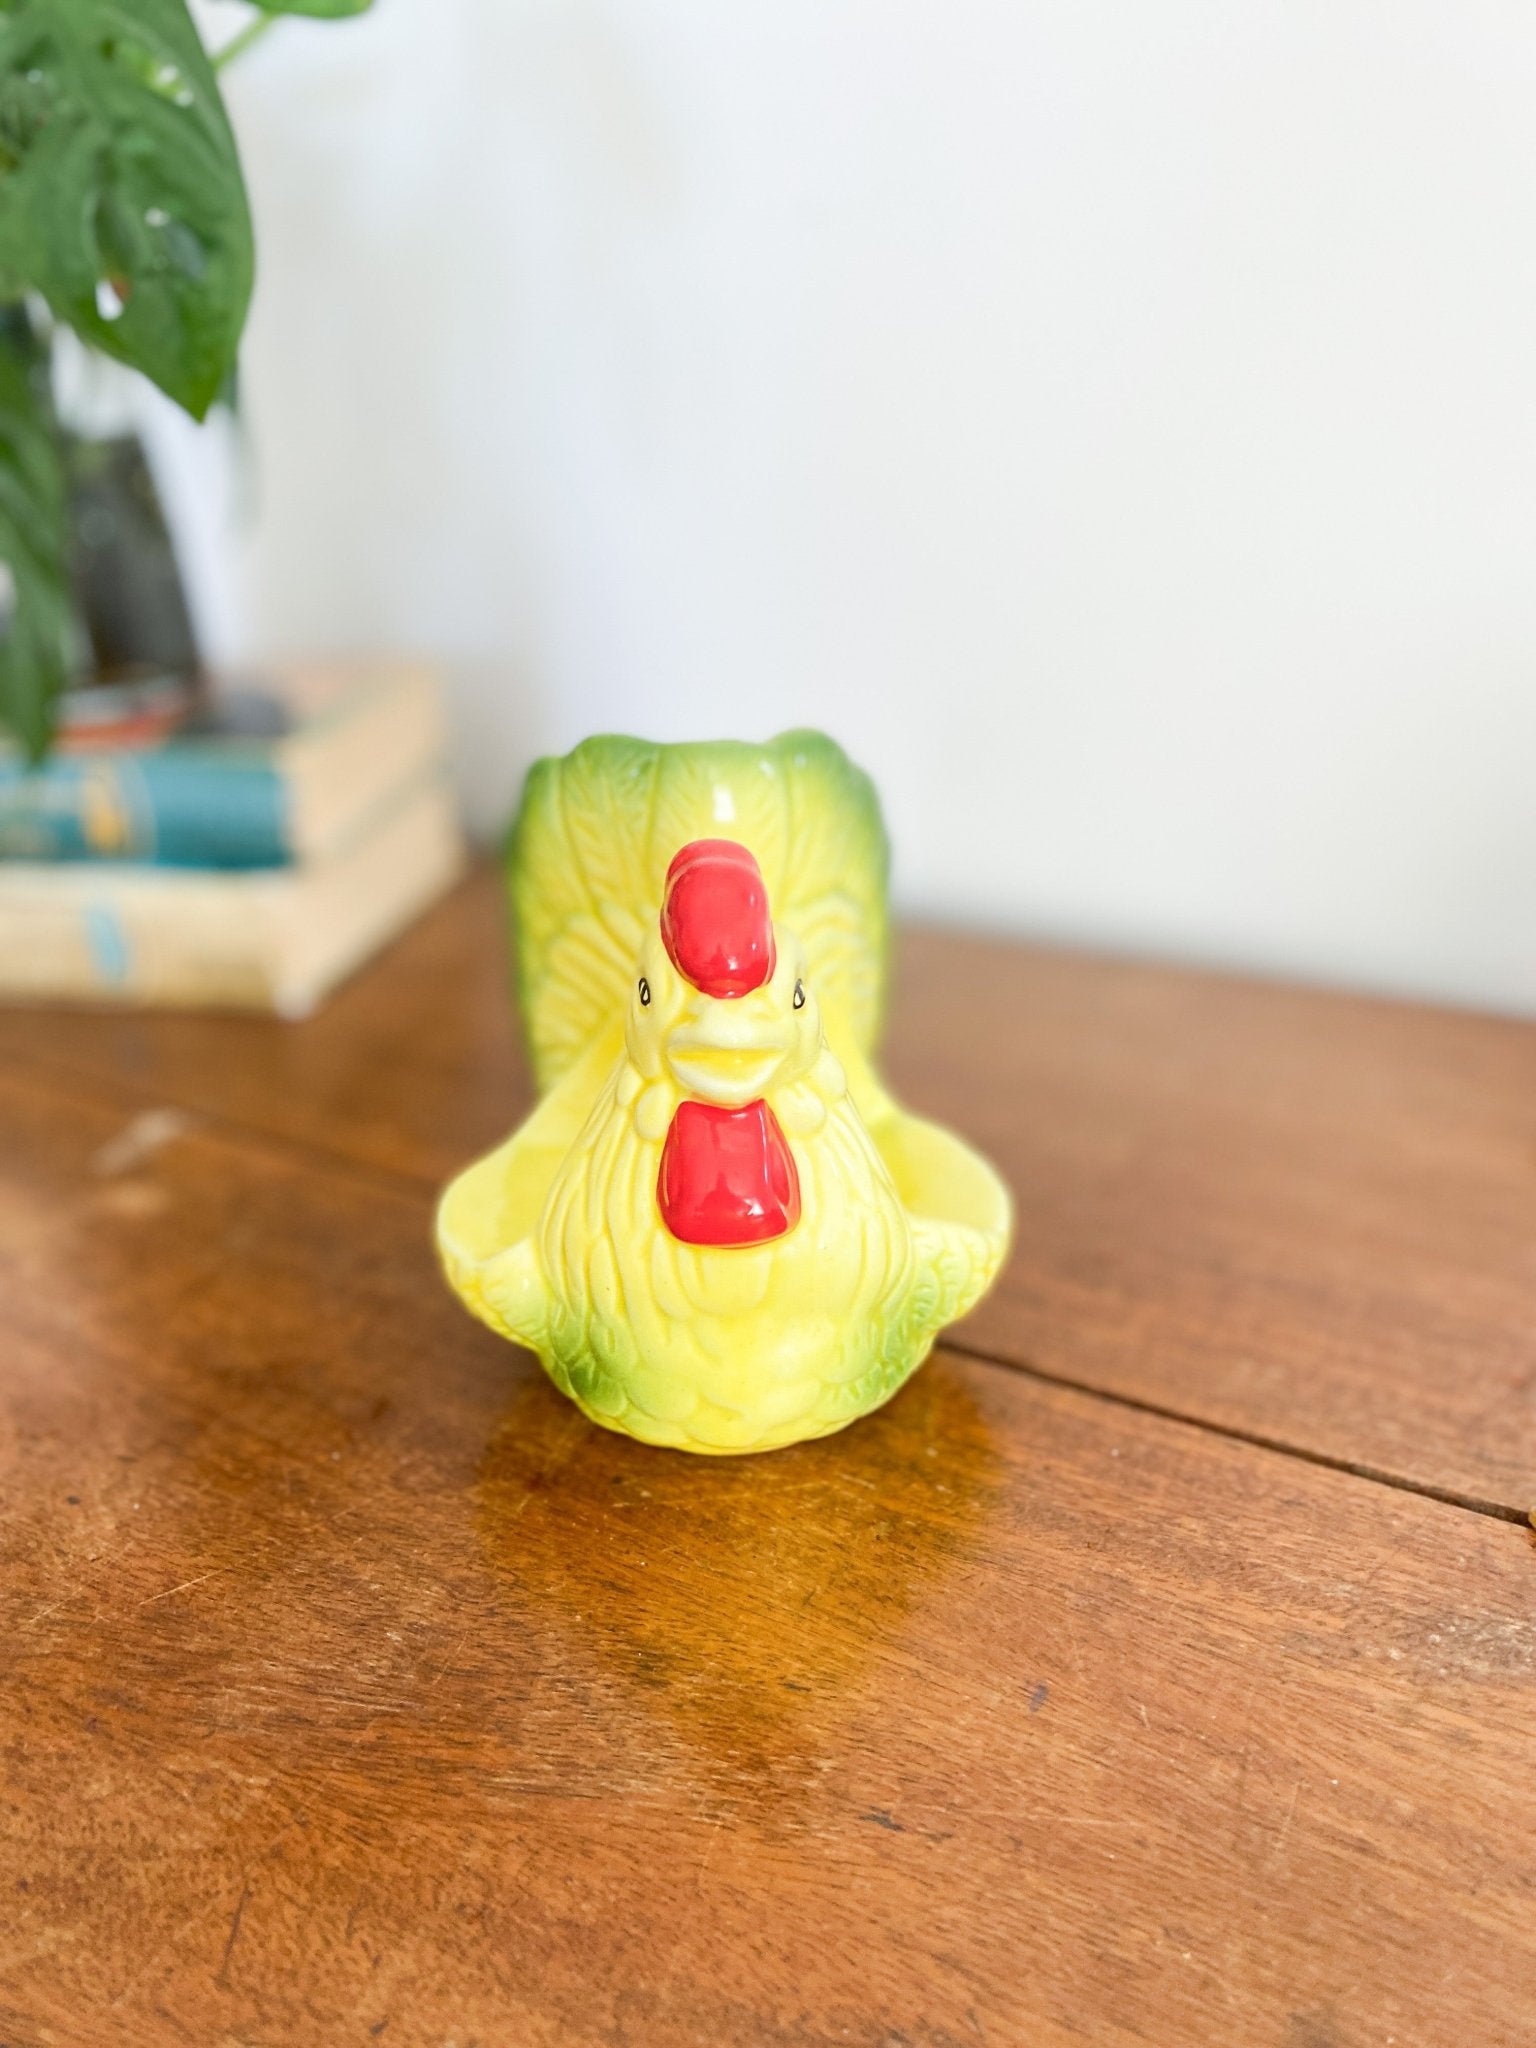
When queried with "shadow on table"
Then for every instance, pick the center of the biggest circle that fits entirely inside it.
(745, 1608)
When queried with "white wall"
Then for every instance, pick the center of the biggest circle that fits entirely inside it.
(1117, 422)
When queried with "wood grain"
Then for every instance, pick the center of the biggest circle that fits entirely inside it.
(412, 1067)
(355, 1689)
(1307, 1217)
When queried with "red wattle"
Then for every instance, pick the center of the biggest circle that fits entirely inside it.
(727, 1176)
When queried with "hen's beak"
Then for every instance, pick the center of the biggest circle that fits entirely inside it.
(726, 1061)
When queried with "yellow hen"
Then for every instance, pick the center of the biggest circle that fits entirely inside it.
(717, 1229)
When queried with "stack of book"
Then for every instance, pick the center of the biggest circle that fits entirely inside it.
(246, 856)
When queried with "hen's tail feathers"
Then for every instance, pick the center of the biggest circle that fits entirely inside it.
(588, 855)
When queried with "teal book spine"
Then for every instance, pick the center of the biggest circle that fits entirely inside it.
(174, 807)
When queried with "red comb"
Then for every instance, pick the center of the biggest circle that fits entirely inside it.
(714, 920)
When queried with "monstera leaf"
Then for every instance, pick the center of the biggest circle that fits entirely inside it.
(121, 205)
(588, 857)
(32, 537)
(121, 199)
(321, 10)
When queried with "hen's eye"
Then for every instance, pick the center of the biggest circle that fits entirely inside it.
(799, 995)
(645, 993)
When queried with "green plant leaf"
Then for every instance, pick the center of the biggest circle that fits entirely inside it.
(121, 199)
(321, 10)
(33, 539)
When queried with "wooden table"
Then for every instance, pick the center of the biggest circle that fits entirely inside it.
(1159, 1667)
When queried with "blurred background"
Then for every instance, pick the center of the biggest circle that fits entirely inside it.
(1116, 424)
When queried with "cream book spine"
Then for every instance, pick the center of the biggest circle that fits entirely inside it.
(270, 939)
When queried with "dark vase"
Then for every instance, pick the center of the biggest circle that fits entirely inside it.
(132, 616)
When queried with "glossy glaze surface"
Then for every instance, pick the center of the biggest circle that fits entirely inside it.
(727, 1176)
(718, 1229)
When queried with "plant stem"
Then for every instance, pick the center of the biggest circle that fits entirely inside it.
(238, 45)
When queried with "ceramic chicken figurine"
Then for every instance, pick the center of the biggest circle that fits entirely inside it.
(717, 1229)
